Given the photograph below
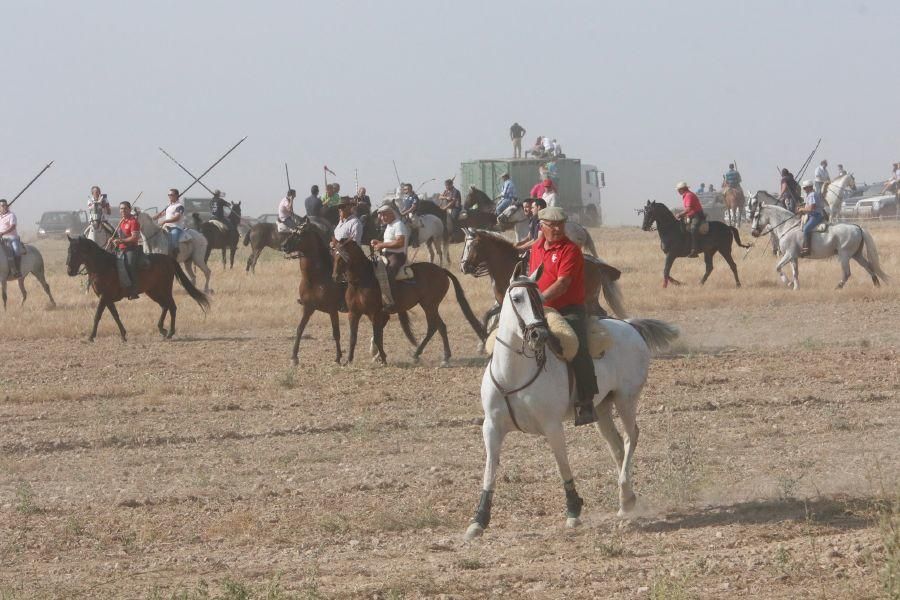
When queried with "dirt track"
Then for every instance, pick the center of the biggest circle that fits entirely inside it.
(768, 439)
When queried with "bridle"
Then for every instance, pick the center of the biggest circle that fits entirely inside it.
(755, 217)
(540, 355)
(481, 269)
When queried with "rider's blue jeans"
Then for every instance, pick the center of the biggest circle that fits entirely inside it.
(176, 233)
(812, 222)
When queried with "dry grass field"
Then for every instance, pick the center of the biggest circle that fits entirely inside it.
(207, 467)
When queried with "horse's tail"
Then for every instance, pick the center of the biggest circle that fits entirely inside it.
(193, 292)
(872, 255)
(589, 244)
(737, 237)
(247, 237)
(612, 293)
(466, 309)
(658, 335)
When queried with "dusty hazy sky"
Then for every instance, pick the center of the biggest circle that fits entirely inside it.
(650, 92)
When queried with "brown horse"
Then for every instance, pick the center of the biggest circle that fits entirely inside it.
(259, 237)
(216, 238)
(734, 205)
(428, 288)
(488, 253)
(318, 290)
(156, 281)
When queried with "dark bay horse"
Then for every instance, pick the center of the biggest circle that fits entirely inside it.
(318, 289)
(216, 239)
(259, 237)
(155, 280)
(476, 197)
(488, 253)
(428, 288)
(676, 242)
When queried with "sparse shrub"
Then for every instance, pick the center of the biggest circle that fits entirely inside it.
(25, 499)
(665, 587)
(287, 379)
(469, 564)
(889, 528)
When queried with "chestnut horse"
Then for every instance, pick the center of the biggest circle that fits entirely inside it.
(155, 280)
(318, 290)
(428, 288)
(491, 254)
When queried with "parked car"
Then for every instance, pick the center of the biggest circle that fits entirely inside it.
(59, 223)
(267, 218)
(869, 202)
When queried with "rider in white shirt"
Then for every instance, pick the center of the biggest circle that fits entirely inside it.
(348, 226)
(173, 220)
(822, 178)
(10, 235)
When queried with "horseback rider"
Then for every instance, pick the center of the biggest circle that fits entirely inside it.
(313, 204)
(790, 191)
(128, 243)
(286, 217)
(363, 204)
(332, 198)
(507, 195)
(822, 178)
(393, 248)
(10, 236)
(409, 208)
(732, 179)
(217, 206)
(99, 210)
(451, 202)
(348, 226)
(814, 208)
(692, 214)
(562, 287)
(173, 221)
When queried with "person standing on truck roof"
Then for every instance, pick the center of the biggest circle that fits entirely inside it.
(516, 132)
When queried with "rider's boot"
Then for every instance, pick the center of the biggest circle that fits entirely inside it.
(584, 412)
(17, 264)
(807, 239)
(695, 247)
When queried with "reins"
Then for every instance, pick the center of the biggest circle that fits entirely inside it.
(540, 355)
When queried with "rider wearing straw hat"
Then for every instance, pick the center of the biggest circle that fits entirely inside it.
(393, 248)
(692, 214)
(562, 287)
(814, 208)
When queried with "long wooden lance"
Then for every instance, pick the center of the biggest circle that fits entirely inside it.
(287, 176)
(809, 158)
(326, 171)
(213, 166)
(16, 197)
(183, 168)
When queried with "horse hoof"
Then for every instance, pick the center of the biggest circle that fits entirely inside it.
(573, 522)
(627, 506)
(445, 363)
(295, 361)
(474, 531)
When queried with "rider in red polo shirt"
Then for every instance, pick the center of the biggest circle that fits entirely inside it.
(128, 240)
(562, 287)
(692, 214)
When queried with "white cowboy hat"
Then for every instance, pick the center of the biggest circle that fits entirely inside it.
(681, 185)
(807, 183)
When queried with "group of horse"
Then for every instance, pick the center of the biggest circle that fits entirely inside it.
(526, 386)
(768, 216)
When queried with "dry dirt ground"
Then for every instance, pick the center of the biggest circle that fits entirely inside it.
(207, 467)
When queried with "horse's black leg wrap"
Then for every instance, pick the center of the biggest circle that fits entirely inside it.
(483, 512)
(574, 503)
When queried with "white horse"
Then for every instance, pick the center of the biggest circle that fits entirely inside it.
(836, 192)
(526, 387)
(157, 240)
(32, 262)
(846, 240)
(431, 234)
(514, 217)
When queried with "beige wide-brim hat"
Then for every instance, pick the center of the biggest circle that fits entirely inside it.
(385, 208)
(681, 185)
(552, 213)
(807, 183)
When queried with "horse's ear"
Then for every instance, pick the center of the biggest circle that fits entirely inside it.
(537, 273)
(517, 271)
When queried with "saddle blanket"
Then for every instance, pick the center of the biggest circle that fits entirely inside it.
(599, 340)
(222, 226)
